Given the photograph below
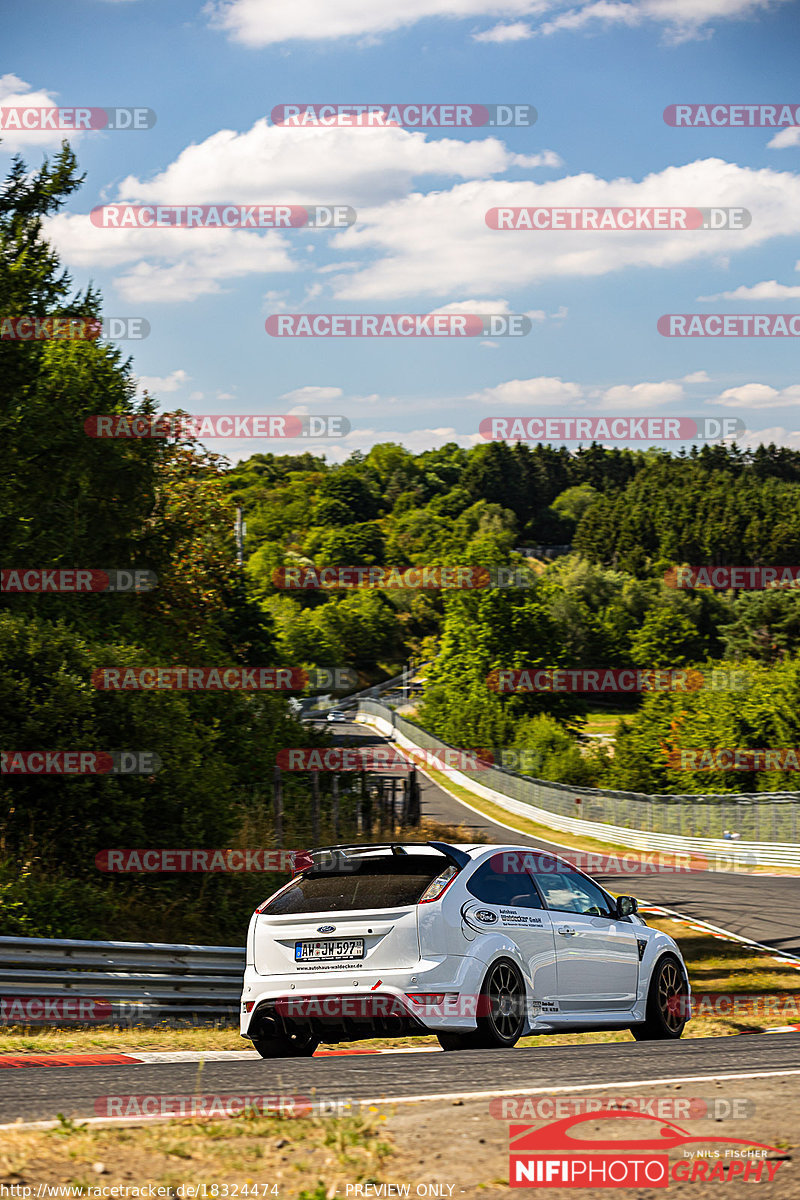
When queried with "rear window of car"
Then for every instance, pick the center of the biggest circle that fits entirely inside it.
(503, 887)
(381, 883)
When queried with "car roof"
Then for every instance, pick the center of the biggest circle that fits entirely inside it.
(489, 849)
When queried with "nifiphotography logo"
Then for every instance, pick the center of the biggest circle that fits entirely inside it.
(551, 1156)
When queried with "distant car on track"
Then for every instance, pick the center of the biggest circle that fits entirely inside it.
(478, 944)
(336, 714)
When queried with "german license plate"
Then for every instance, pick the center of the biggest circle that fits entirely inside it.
(330, 948)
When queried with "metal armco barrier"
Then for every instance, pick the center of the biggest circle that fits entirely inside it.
(767, 822)
(143, 982)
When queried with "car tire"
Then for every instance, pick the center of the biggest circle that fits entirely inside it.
(457, 1041)
(501, 1012)
(664, 1015)
(286, 1045)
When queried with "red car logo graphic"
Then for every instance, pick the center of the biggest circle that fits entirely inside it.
(552, 1156)
(554, 1137)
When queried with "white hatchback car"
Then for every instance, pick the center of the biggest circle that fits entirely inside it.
(478, 944)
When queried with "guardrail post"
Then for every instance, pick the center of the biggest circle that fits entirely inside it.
(381, 798)
(335, 806)
(366, 806)
(277, 806)
(414, 798)
(315, 807)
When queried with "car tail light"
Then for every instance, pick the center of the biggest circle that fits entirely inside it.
(249, 1005)
(435, 889)
(426, 997)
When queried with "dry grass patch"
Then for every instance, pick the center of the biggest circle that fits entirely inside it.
(298, 1158)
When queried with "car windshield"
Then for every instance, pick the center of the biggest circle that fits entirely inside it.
(394, 882)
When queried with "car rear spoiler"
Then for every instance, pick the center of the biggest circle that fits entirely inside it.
(458, 858)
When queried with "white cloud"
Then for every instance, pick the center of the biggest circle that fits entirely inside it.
(439, 244)
(604, 11)
(312, 395)
(641, 397)
(482, 308)
(545, 391)
(763, 437)
(768, 289)
(758, 395)
(285, 165)
(156, 384)
(517, 31)
(16, 93)
(696, 377)
(786, 137)
(542, 390)
(266, 164)
(415, 440)
(264, 23)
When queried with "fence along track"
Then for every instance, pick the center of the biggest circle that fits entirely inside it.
(641, 822)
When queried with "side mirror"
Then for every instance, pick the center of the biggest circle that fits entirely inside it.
(626, 905)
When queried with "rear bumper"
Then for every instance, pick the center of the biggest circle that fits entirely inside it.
(341, 1011)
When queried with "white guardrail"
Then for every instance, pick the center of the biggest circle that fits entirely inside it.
(721, 853)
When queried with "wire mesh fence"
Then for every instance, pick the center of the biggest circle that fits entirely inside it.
(754, 816)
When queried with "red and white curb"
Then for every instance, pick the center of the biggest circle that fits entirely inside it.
(153, 1057)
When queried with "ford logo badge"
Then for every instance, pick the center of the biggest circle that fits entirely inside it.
(483, 914)
(326, 928)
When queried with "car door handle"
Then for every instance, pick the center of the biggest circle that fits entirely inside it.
(566, 930)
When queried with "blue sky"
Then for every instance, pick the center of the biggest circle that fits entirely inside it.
(599, 74)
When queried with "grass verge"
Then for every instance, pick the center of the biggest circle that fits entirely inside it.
(268, 1156)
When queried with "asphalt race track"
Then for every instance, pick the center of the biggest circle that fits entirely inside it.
(763, 908)
(39, 1093)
